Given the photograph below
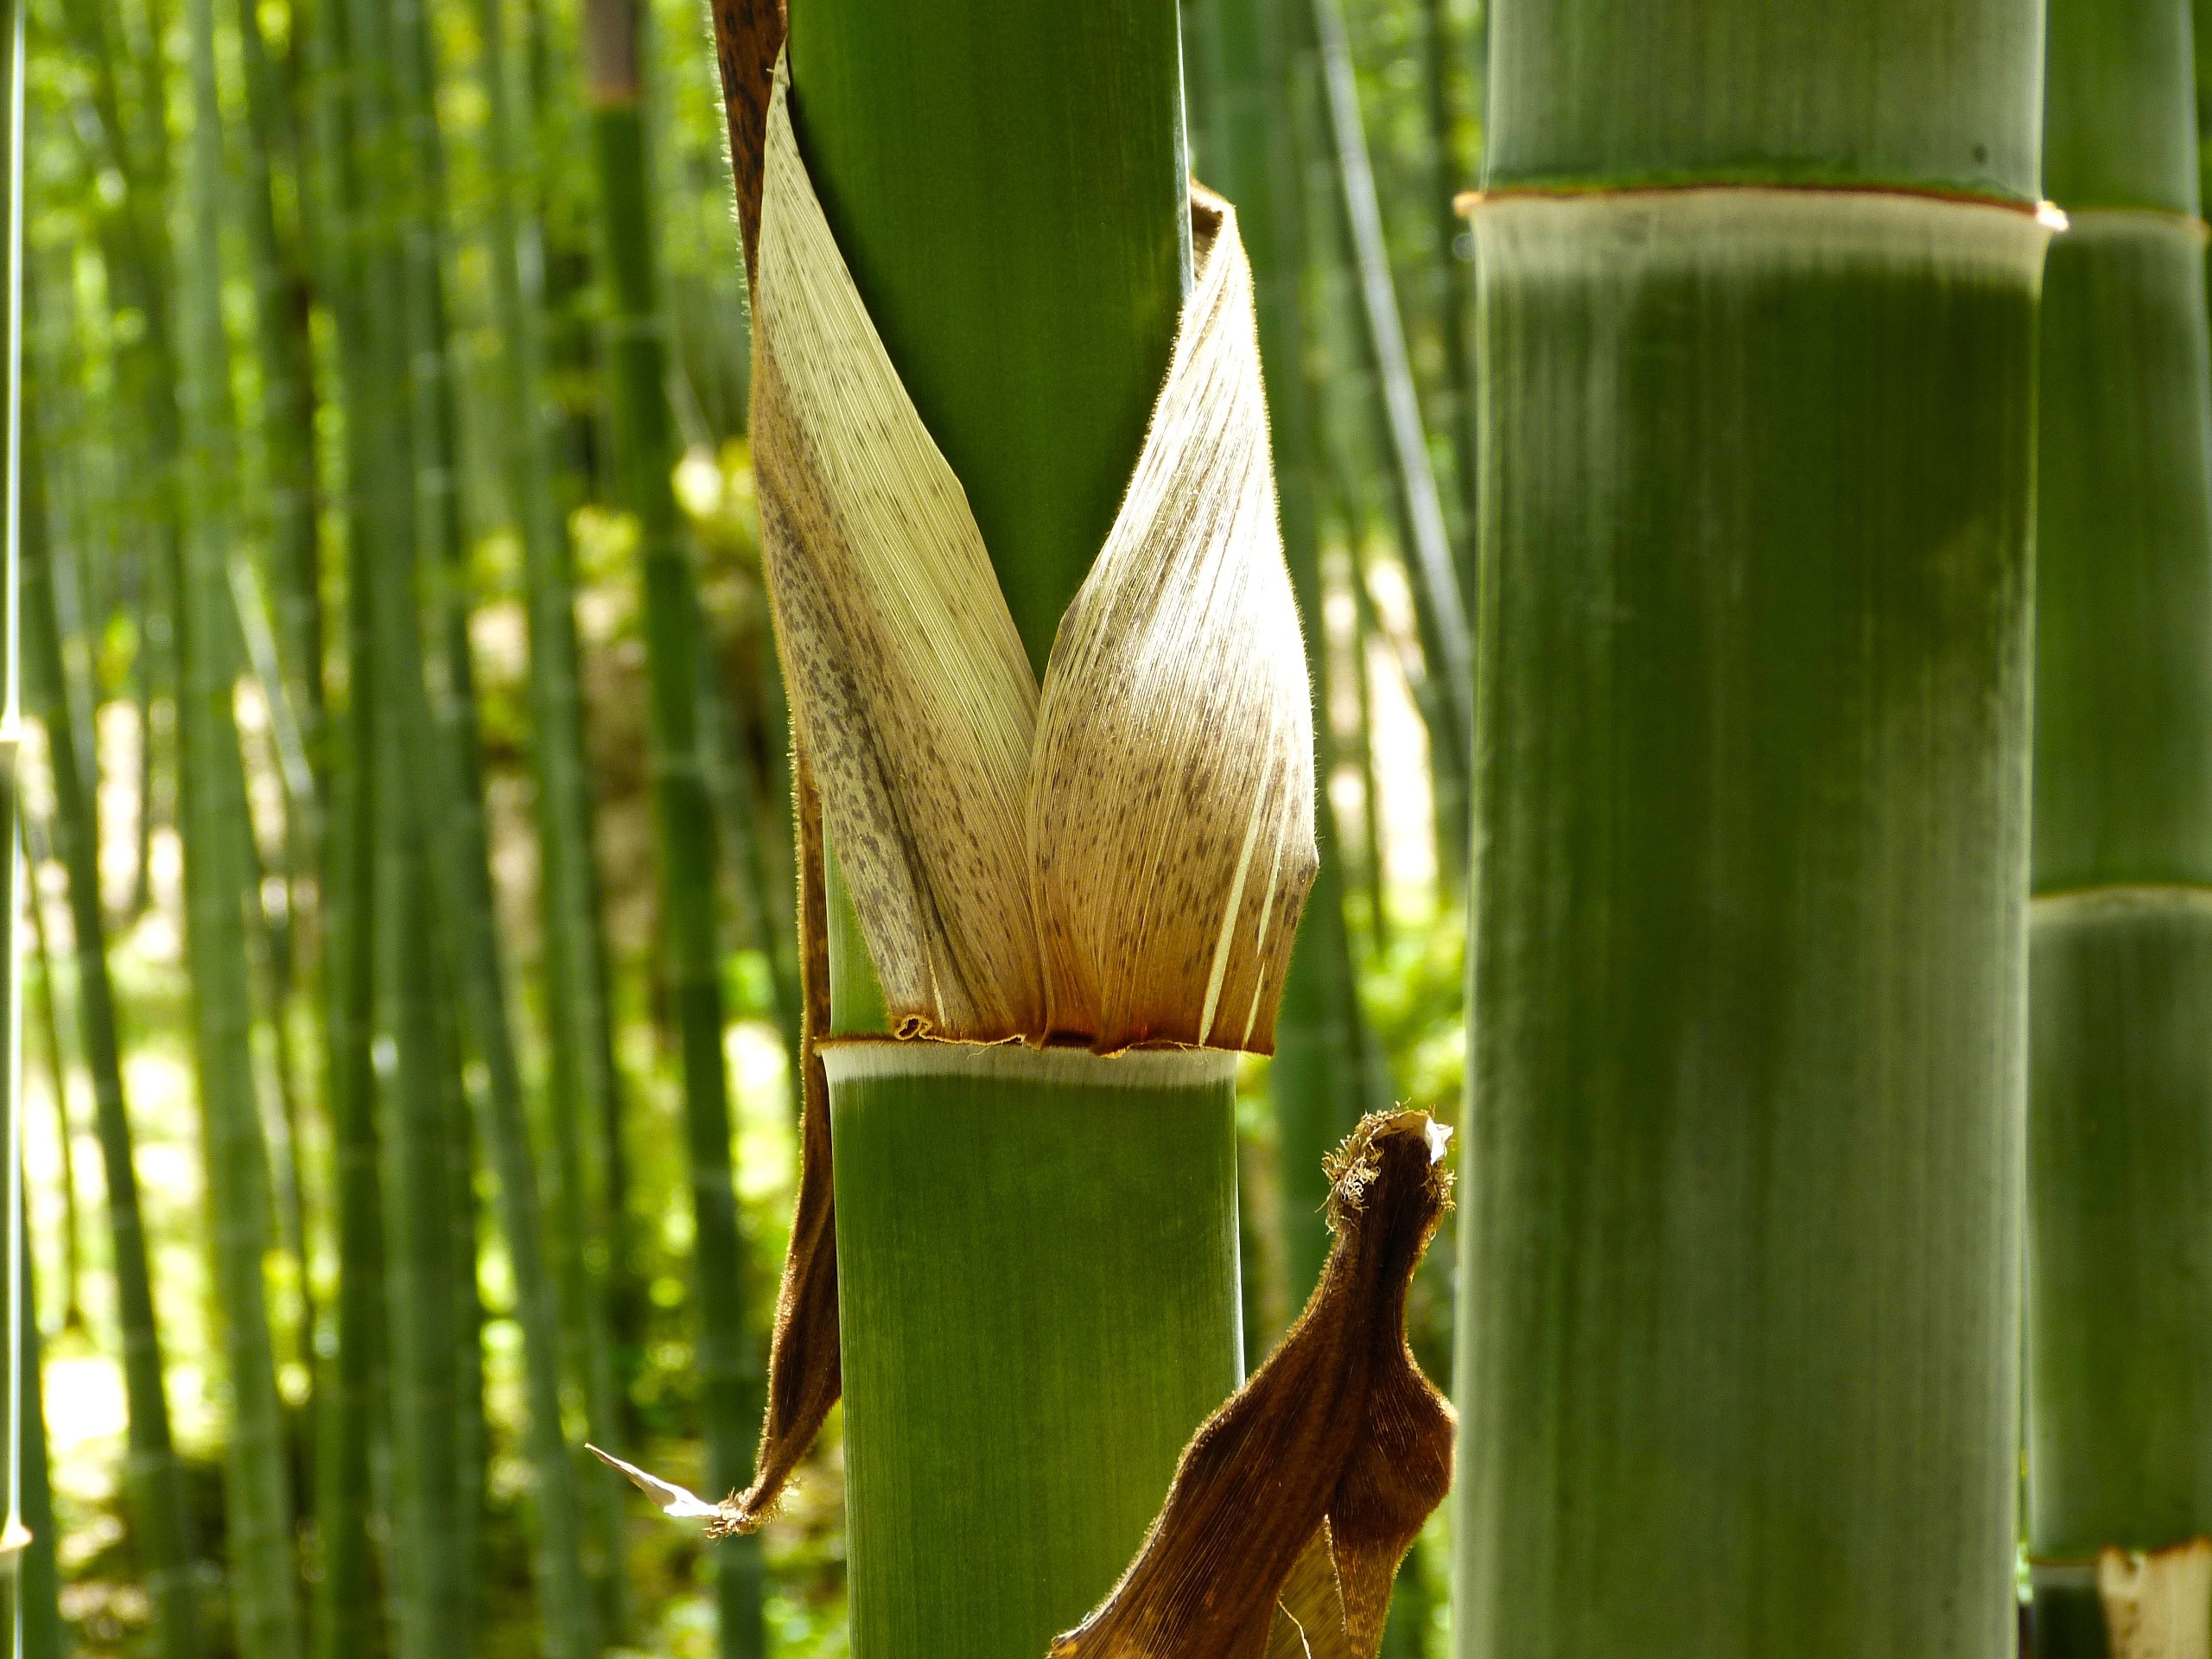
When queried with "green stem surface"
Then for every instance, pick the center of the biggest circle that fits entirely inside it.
(1738, 1347)
(1037, 1283)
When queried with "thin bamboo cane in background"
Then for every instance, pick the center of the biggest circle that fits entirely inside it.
(729, 1361)
(213, 790)
(1319, 1078)
(583, 1093)
(348, 1618)
(49, 1024)
(439, 705)
(141, 263)
(1428, 553)
(43, 1634)
(1445, 66)
(152, 1476)
(275, 168)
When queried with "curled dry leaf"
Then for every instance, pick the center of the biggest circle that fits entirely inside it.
(1124, 861)
(1295, 1501)
(2157, 1603)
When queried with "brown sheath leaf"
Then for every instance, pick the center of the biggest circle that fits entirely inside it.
(748, 39)
(805, 1368)
(1317, 1476)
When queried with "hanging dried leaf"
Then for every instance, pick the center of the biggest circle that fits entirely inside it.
(806, 1368)
(2158, 1605)
(1161, 828)
(1294, 1504)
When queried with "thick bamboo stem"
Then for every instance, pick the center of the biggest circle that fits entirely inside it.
(1037, 1263)
(990, 1205)
(2119, 1271)
(1738, 1346)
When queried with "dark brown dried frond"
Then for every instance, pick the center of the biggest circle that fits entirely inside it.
(1295, 1501)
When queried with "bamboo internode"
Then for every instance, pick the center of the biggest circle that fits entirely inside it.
(1737, 1357)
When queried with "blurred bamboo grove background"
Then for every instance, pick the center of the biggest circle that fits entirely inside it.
(409, 1089)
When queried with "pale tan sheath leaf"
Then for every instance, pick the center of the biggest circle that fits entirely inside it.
(1171, 803)
(909, 678)
(2159, 1605)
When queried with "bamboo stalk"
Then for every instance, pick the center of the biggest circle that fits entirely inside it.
(49, 1023)
(1429, 548)
(443, 716)
(152, 1475)
(2119, 1315)
(43, 1636)
(1737, 1346)
(582, 1094)
(1079, 1220)
(349, 1615)
(1445, 63)
(1053, 1342)
(728, 1362)
(14, 1258)
(288, 399)
(213, 790)
(140, 262)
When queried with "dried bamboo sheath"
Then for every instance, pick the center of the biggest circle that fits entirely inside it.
(2119, 1262)
(1738, 1359)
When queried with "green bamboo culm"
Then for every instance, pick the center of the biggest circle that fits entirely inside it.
(422, 1256)
(286, 351)
(583, 1096)
(2120, 1269)
(1738, 1348)
(1008, 188)
(139, 255)
(349, 1618)
(152, 1475)
(43, 1634)
(1322, 1069)
(1445, 691)
(729, 1360)
(49, 1021)
(441, 718)
(1066, 1215)
(1454, 276)
(213, 800)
